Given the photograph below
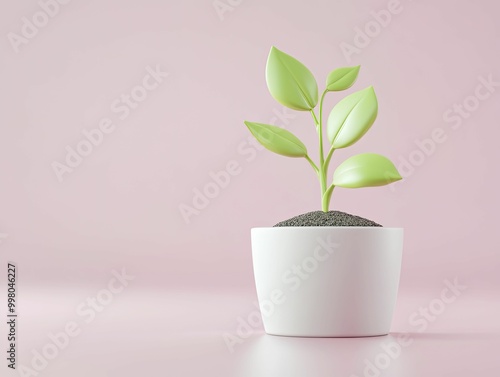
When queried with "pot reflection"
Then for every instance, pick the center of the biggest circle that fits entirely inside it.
(267, 355)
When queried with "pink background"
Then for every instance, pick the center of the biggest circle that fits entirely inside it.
(120, 207)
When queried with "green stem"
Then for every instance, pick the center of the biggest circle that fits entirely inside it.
(323, 163)
(312, 164)
(325, 200)
(328, 158)
(322, 182)
(316, 122)
(322, 170)
(321, 106)
(321, 173)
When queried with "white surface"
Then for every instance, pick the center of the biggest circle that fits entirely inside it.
(181, 334)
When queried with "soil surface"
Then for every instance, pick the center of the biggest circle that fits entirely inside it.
(331, 218)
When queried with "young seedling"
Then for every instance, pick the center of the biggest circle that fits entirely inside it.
(294, 86)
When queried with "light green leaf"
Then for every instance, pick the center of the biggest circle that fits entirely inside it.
(342, 78)
(365, 170)
(352, 117)
(277, 139)
(290, 82)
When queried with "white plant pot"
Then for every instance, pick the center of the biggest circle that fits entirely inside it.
(327, 281)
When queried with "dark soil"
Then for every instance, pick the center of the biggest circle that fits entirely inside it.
(331, 218)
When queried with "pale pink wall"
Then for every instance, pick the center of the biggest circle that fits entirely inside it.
(120, 207)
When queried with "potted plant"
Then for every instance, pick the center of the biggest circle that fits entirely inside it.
(326, 273)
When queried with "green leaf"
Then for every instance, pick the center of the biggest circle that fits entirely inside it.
(277, 139)
(342, 78)
(365, 170)
(290, 82)
(352, 117)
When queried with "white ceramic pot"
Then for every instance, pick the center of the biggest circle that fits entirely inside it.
(327, 281)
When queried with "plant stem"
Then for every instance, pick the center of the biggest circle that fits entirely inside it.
(322, 166)
(328, 158)
(315, 118)
(312, 164)
(325, 199)
(321, 173)
(326, 193)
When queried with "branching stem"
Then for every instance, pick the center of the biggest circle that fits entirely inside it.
(312, 164)
(322, 170)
